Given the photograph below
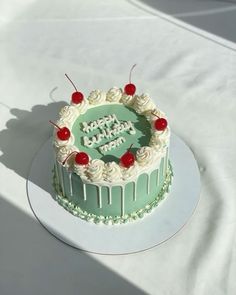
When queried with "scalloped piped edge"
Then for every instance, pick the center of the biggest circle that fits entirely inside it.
(109, 220)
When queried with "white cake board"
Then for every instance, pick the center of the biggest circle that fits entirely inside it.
(158, 226)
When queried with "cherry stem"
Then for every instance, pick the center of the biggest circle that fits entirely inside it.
(71, 82)
(131, 72)
(63, 163)
(155, 115)
(54, 124)
(130, 147)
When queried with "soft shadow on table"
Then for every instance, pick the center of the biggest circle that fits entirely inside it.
(25, 134)
(217, 17)
(34, 262)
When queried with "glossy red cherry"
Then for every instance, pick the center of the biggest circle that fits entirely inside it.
(63, 133)
(76, 97)
(160, 124)
(81, 158)
(127, 159)
(130, 88)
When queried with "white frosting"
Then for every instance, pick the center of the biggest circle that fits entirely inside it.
(63, 153)
(131, 172)
(62, 123)
(112, 172)
(59, 143)
(69, 114)
(81, 170)
(143, 103)
(95, 170)
(154, 114)
(114, 94)
(81, 107)
(145, 155)
(160, 139)
(96, 97)
(127, 99)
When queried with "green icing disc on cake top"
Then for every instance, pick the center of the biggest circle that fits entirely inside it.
(120, 126)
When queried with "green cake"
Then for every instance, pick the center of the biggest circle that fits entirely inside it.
(111, 156)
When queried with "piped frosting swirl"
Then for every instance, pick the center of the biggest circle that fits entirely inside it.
(145, 155)
(112, 172)
(114, 94)
(131, 172)
(63, 152)
(143, 103)
(97, 97)
(95, 170)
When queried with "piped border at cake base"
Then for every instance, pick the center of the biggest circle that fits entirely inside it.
(110, 220)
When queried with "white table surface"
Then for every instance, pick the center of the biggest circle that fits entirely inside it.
(190, 74)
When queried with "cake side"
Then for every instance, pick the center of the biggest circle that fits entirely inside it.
(122, 212)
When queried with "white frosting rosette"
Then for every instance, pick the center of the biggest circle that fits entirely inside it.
(59, 143)
(81, 170)
(114, 94)
(68, 114)
(112, 172)
(153, 114)
(143, 103)
(145, 155)
(96, 97)
(128, 173)
(62, 123)
(127, 99)
(95, 170)
(81, 107)
(63, 153)
(160, 139)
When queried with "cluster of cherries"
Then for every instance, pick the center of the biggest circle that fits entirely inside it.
(81, 158)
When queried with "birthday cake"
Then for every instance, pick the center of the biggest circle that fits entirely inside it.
(111, 155)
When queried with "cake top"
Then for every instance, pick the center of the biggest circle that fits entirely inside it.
(110, 136)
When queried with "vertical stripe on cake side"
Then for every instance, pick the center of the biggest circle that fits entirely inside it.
(99, 196)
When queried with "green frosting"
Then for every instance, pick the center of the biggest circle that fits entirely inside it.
(123, 113)
(77, 211)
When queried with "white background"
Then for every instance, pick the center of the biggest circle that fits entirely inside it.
(191, 75)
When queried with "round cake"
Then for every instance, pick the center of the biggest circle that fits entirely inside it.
(111, 156)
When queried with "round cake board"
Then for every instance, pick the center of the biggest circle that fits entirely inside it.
(158, 226)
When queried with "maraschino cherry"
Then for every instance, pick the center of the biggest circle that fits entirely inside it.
(127, 159)
(76, 96)
(81, 158)
(63, 133)
(160, 124)
(130, 88)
